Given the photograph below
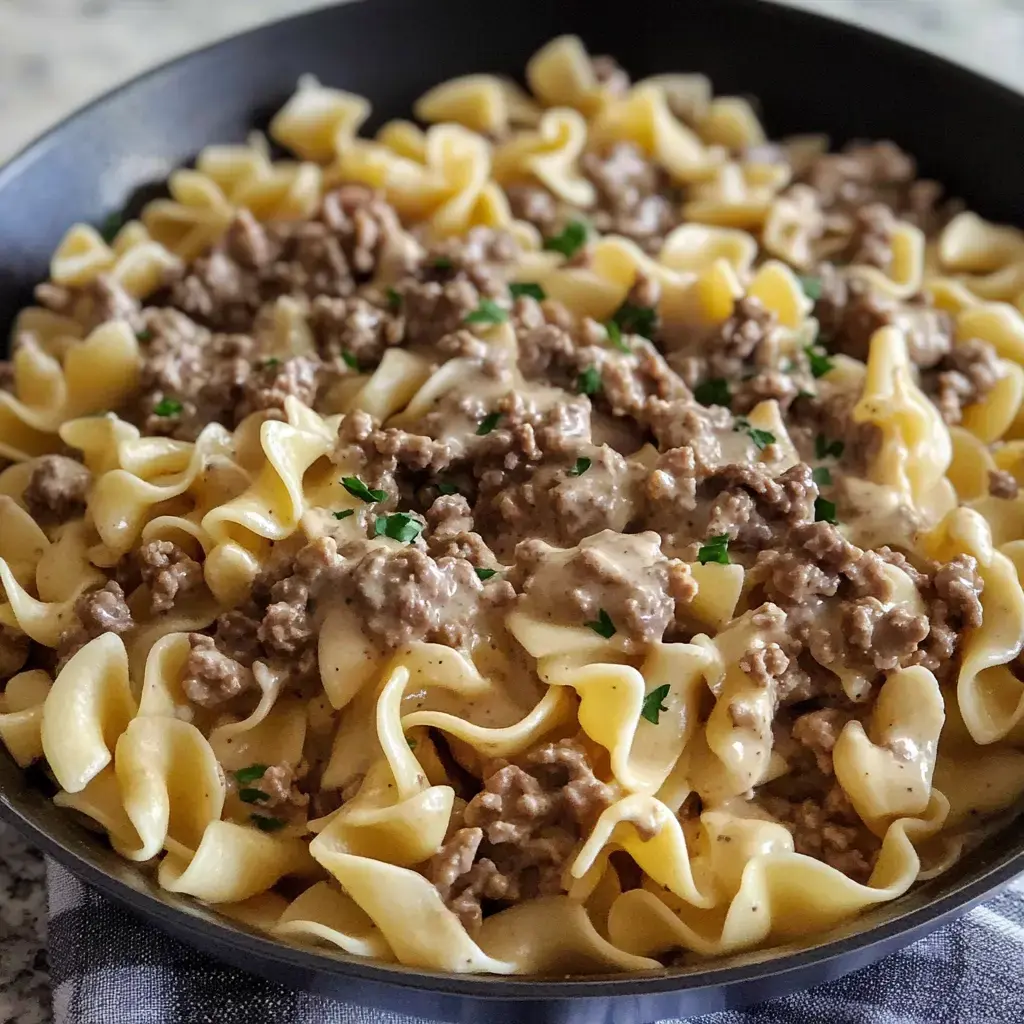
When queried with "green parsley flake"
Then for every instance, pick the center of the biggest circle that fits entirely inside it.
(652, 706)
(615, 336)
(110, 226)
(716, 550)
(488, 423)
(244, 776)
(447, 488)
(265, 823)
(603, 626)
(394, 300)
(572, 238)
(442, 263)
(485, 574)
(635, 319)
(528, 288)
(824, 448)
(825, 511)
(820, 362)
(713, 392)
(358, 489)
(811, 286)
(271, 362)
(400, 527)
(582, 465)
(805, 394)
(488, 312)
(350, 361)
(144, 335)
(252, 796)
(344, 514)
(589, 381)
(822, 476)
(168, 407)
(761, 438)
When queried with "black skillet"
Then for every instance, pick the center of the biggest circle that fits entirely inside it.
(810, 74)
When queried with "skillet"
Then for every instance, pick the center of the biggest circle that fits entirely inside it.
(809, 74)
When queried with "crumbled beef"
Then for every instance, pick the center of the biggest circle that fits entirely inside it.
(354, 329)
(279, 783)
(57, 489)
(169, 572)
(959, 585)
(98, 611)
(272, 381)
(768, 385)
(1002, 484)
(871, 243)
(450, 533)
(611, 75)
(14, 650)
(818, 732)
(967, 373)
(743, 340)
(521, 830)
(536, 205)
(211, 677)
(95, 303)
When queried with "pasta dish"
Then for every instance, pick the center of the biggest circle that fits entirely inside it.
(569, 537)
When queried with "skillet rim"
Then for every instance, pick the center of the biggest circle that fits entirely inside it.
(179, 915)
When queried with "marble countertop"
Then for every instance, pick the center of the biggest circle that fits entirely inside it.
(57, 54)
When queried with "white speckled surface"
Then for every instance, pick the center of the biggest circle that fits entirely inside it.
(57, 54)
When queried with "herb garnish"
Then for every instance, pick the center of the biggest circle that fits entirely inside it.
(398, 526)
(823, 447)
(615, 336)
(488, 312)
(811, 286)
(358, 489)
(761, 438)
(488, 423)
(603, 626)
(265, 823)
(582, 465)
(485, 574)
(634, 319)
(442, 263)
(589, 381)
(820, 362)
(269, 364)
(444, 487)
(713, 392)
(572, 238)
(111, 225)
(144, 335)
(652, 706)
(168, 407)
(252, 796)
(246, 775)
(825, 511)
(715, 550)
(394, 300)
(350, 361)
(822, 476)
(518, 289)
(344, 514)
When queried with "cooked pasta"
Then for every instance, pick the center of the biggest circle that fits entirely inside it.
(570, 536)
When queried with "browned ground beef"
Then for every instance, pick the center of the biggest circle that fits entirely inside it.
(57, 489)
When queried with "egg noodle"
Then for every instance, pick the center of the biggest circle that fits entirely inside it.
(572, 533)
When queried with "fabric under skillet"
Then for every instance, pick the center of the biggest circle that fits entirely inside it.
(108, 967)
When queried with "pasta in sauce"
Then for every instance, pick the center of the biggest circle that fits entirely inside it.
(573, 533)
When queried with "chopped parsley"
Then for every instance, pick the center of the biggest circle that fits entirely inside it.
(811, 286)
(441, 263)
(603, 626)
(488, 312)
(825, 511)
(244, 776)
(110, 226)
(761, 438)
(168, 407)
(344, 514)
(269, 364)
(715, 550)
(635, 319)
(144, 335)
(821, 475)
(252, 796)
(394, 300)
(824, 448)
(528, 288)
(571, 239)
(652, 706)
(399, 527)
(412, 744)
(350, 361)
(358, 489)
(713, 392)
(805, 394)
(589, 381)
(488, 423)
(820, 362)
(444, 487)
(265, 823)
(615, 336)
(485, 574)
(582, 465)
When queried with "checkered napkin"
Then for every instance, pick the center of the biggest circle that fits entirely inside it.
(110, 968)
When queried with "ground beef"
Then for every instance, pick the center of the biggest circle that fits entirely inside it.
(450, 533)
(269, 383)
(98, 611)
(354, 329)
(14, 650)
(818, 732)
(738, 343)
(101, 300)
(521, 830)
(211, 677)
(871, 243)
(536, 205)
(169, 572)
(279, 783)
(1002, 484)
(967, 373)
(57, 489)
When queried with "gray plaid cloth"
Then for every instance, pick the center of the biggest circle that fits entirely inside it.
(108, 967)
